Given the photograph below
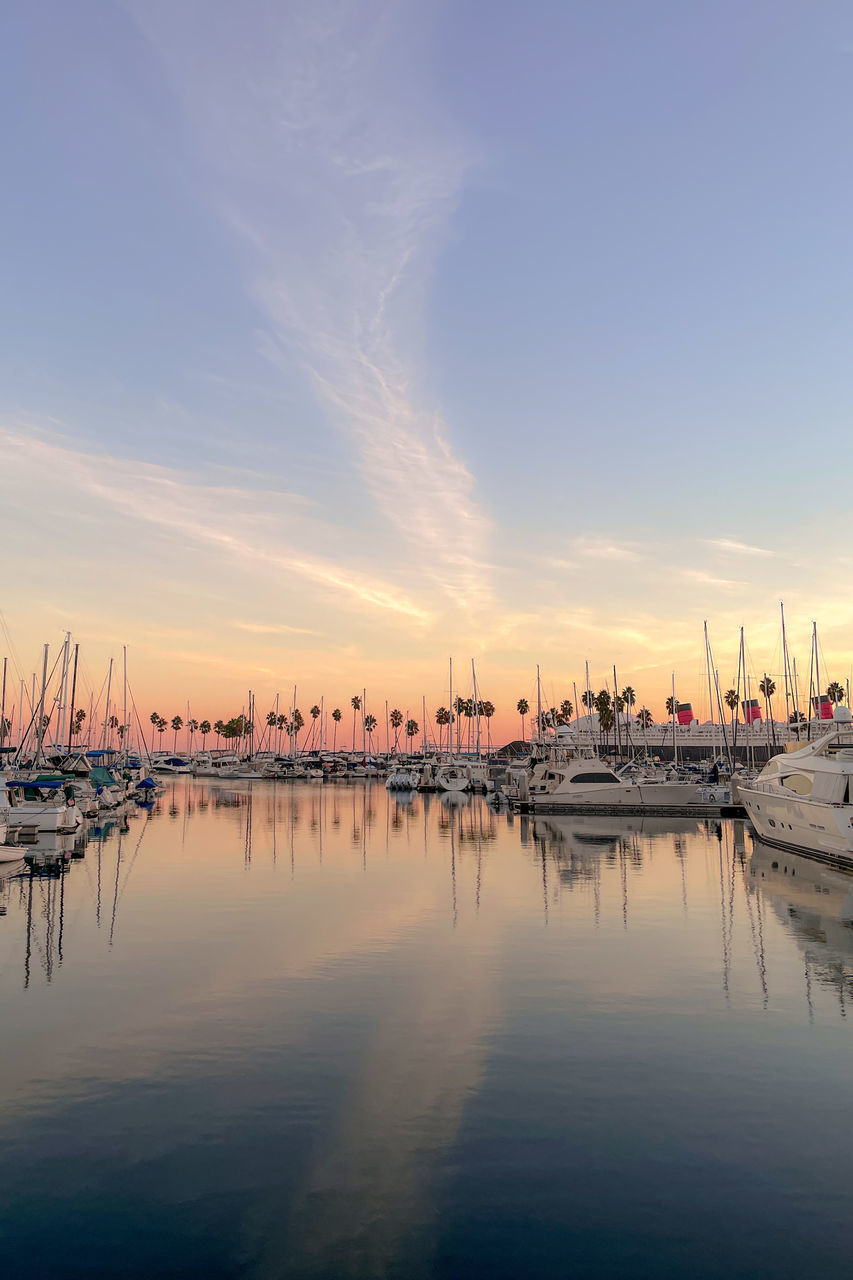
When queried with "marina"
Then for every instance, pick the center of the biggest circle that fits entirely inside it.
(316, 1054)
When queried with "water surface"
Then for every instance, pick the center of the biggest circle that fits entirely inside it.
(320, 1031)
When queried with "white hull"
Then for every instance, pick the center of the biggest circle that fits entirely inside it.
(653, 795)
(46, 817)
(801, 824)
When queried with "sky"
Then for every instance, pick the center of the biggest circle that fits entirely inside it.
(340, 338)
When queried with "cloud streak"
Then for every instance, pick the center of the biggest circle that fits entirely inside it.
(248, 525)
(334, 170)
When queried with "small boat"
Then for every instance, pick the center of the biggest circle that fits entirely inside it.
(42, 805)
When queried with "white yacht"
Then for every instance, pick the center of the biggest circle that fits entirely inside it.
(586, 782)
(804, 799)
(453, 777)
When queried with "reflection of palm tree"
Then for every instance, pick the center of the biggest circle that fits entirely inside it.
(336, 716)
(522, 707)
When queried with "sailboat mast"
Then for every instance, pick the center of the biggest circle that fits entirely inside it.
(674, 725)
(73, 697)
(3, 709)
(40, 730)
(107, 712)
(476, 704)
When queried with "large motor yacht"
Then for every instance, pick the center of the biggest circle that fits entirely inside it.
(804, 799)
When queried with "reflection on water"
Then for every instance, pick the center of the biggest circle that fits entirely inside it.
(295, 1030)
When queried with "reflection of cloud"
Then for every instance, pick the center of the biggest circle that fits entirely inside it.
(339, 180)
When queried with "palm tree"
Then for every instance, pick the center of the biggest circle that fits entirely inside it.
(670, 706)
(369, 725)
(412, 731)
(459, 711)
(604, 707)
(629, 697)
(218, 729)
(396, 719)
(204, 730)
(314, 713)
(155, 720)
(177, 723)
(80, 716)
(606, 720)
(162, 726)
(732, 701)
(768, 687)
(645, 718)
(295, 725)
(442, 717)
(487, 709)
(356, 706)
(192, 726)
(567, 710)
(522, 707)
(588, 699)
(336, 716)
(835, 692)
(796, 717)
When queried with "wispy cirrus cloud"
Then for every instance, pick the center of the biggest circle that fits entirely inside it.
(732, 547)
(338, 176)
(254, 526)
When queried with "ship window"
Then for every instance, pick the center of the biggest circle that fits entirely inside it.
(594, 777)
(801, 783)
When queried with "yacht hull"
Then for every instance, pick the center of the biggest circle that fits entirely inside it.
(804, 826)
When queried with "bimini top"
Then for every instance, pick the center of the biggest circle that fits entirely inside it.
(51, 783)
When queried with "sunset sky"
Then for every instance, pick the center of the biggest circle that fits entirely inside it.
(340, 338)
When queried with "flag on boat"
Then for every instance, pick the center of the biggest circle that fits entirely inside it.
(751, 710)
(684, 711)
(822, 707)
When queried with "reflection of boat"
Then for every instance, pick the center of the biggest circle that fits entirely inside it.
(804, 799)
(585, 832)
(815, 902)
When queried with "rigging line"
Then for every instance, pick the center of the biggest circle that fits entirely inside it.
(133, 859)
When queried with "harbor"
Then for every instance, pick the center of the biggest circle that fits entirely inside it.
(618, 985)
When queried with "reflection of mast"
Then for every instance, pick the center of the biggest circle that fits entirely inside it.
(723, 925)
(29, 950)
(115, 891)
(61, 915)
(545, 882)
(453, 862)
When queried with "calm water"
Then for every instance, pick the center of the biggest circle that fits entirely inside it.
(288, 1031)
